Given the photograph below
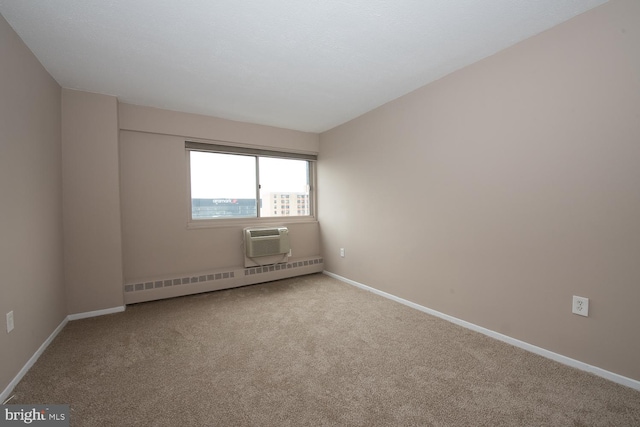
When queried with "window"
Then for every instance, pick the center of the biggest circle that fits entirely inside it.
(236, 182)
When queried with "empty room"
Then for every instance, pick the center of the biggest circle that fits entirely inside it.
(348, 212)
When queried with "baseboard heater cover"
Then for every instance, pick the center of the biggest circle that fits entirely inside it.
(169, 287)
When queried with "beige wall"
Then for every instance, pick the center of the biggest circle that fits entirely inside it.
(31, 208)
(155, 198)
(91, 201)
(184, 125)
(498, 192)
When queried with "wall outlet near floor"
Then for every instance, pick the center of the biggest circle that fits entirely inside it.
(342, 252)
(10, 321)
(580, 306)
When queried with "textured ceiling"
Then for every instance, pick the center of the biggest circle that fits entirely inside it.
(306, 65)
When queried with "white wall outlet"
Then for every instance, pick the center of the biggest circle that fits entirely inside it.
(342, 252)
(580, 306)
(10, 321)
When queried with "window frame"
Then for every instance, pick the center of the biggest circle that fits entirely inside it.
(223, 148)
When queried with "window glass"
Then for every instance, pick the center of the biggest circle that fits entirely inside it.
(281, 180)
(225, 186)
(222, 185)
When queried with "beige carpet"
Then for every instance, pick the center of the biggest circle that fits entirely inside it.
(308, 351)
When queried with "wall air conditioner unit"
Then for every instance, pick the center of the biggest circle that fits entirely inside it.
(262, 242)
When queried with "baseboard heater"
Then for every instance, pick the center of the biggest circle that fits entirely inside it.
(155, 288)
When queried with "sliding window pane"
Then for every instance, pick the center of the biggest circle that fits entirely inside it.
(222, 185)
(284, 187)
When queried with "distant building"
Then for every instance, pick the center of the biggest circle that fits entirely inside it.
(223, 208)
(286, 204)
(274, 204)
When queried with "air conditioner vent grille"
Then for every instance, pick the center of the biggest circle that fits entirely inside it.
(263, 233)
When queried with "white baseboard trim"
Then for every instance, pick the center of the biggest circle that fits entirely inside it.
(7, 391)
(95, 313)
(629, 382)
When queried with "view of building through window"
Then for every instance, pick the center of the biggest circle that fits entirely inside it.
(285, 204)
(274, 204)
(225, 186)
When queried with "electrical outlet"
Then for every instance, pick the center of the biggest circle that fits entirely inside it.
(342, 252)
(580, 306)
(10, 321)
